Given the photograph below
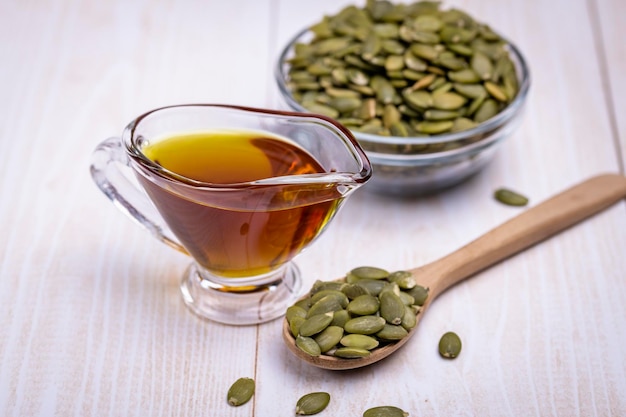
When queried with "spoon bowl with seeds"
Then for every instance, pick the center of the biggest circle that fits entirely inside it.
(354, 322)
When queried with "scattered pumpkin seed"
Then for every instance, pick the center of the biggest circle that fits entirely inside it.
(312, 403)
(450, 345)
(241, 391)
(509, 197)
(385, 411)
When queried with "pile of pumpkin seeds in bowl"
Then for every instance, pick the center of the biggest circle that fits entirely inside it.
(418, 85)
(350, 318)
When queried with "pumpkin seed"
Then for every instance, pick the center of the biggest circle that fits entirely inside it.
(391, 307)
(364, 305)
(392, 332)
(434, 127)
(510, 197)
(329, 337)
(241, 391)
(420, 294)
(328, 303)
(340, 318)
(372, 286)
(486, 111)
(385, 411)
(351, 352)
(404, 279)
(295, 311)
(308, 345)
(364, 325)
(496, 91)
(312, 403)
(450, 345)
(369, 272)
(359, 341)
(448, 101)
(409, 320)
(315, 324)
(294, 325)
(337, 294)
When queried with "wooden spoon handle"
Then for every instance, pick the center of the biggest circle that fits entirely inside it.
(531, 227)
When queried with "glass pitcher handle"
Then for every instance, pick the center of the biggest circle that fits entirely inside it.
(105, 171)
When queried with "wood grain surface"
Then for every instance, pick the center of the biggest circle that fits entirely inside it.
(91, 318)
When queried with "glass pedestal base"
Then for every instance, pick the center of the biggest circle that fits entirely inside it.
(242, 304)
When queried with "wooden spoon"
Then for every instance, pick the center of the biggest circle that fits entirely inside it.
(532, 226)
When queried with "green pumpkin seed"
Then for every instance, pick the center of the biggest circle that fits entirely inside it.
(460, 49)
(360, 341)
(331, 293)
(294, 325)
(308, 345)
(322, 109)
(409, 320)
(312, 403)
(392, 332)
(486, 111)
(393, 47)
(391, 115)
(325, 285)
(328, 338)
(295, 311)
(510, 197)
(434, 114)
(427, 23)
(352, 291)
(418, 99)
(369, 272)
(372, 286)
(419, 294)
(351, 353)
(325, 305)
(448, 101)
(391, 307)
(462, 123)
(241, 391)
(425, 51)
(364, 305)
(482, 65)
(470, 90)
(450, 345)
(434, 127)
(466, 76)
(423, 82)
(407, 299)
(385, 92)
(496, 91)
(315, 324)
(340, 318)
(385, 411)
(413, 62)
(365, 325)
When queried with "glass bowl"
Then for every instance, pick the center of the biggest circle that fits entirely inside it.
(421, 165)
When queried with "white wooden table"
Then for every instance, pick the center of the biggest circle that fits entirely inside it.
(91, 319)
